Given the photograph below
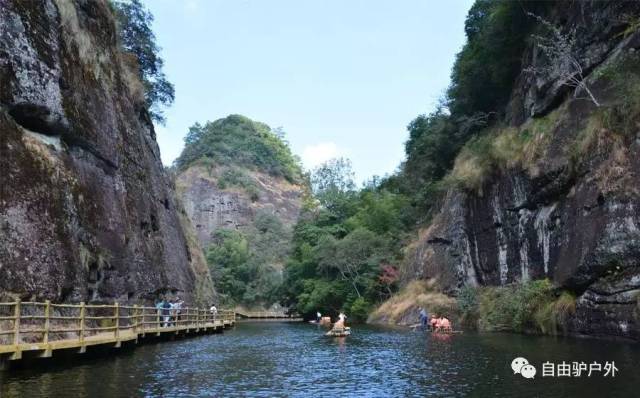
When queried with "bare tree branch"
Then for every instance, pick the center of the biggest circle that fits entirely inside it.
(560, 51)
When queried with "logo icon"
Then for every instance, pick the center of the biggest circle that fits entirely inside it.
(522, 366)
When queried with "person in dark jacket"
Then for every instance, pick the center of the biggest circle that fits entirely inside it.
(424, 318)
(166, 313)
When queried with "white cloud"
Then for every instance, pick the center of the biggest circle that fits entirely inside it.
(314, 155)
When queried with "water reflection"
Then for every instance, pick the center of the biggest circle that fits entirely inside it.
(280, 359)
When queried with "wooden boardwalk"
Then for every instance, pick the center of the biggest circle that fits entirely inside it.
(42, 328)
(267, 315)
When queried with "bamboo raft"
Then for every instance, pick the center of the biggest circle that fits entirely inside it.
(339, 332)
(449, 331)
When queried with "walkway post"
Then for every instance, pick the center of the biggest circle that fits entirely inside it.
(116, 311)
(135, 319)
(16, 324)
(47, 314)
(82, 311)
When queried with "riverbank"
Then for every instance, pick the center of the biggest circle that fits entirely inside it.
(403, 308)
(534, 307)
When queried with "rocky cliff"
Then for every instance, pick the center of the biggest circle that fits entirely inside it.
(86, 211)
(211, 205)
(564, 202)
(242, 190)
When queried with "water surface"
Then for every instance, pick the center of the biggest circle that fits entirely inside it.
(294, 359)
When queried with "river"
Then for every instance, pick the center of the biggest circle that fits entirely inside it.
(270, 359)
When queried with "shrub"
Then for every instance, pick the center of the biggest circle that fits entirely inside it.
(235, 177)
(473, 165)
(402, 308)
(359, 310)
(468, 305)
(502, 148)
(551, 317)
(513, 307)
(622, 115)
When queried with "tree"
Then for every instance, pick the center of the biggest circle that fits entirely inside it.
(241, 141)
(562, 59)
(334, 174)
(227, 257)
(136, 36)
(247, 263)
(389, 275)
(194, 134)
(381, 212)
(357, 257)
(485, 69)
(332, 183)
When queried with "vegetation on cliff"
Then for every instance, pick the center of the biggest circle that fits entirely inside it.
(136, 36)
(482, 80)
(238, 140)
(347, 251)
(472, 137)
(533, 306)
(246, 263)
(244, 159)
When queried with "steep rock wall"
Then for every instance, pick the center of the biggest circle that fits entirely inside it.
(573, 221)
(86, 211)
(210, 207)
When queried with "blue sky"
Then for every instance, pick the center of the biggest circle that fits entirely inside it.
(342, 78)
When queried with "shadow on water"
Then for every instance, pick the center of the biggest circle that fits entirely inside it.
(295, 359)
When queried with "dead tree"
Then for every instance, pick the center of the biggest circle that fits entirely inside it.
(562, 60)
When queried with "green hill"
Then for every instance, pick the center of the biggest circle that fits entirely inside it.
(239, 140)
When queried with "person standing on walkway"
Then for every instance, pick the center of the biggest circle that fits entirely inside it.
(159, 307)
(177, 310)
(166, 313)
(214, 311)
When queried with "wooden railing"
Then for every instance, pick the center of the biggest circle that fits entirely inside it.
(28, 322)
(264, 314)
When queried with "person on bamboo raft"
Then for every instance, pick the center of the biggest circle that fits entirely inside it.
(340, 322)
(434, 322)
(443, 325)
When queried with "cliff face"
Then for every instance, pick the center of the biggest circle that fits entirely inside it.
(211, 207)
(86, 211)
(570, 212)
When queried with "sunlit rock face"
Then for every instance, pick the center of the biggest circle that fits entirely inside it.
(86, 211)
(211, 207)
(574, 222)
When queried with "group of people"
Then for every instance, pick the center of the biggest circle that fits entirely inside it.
(170, 311)
(340, 323)
(435, 323)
